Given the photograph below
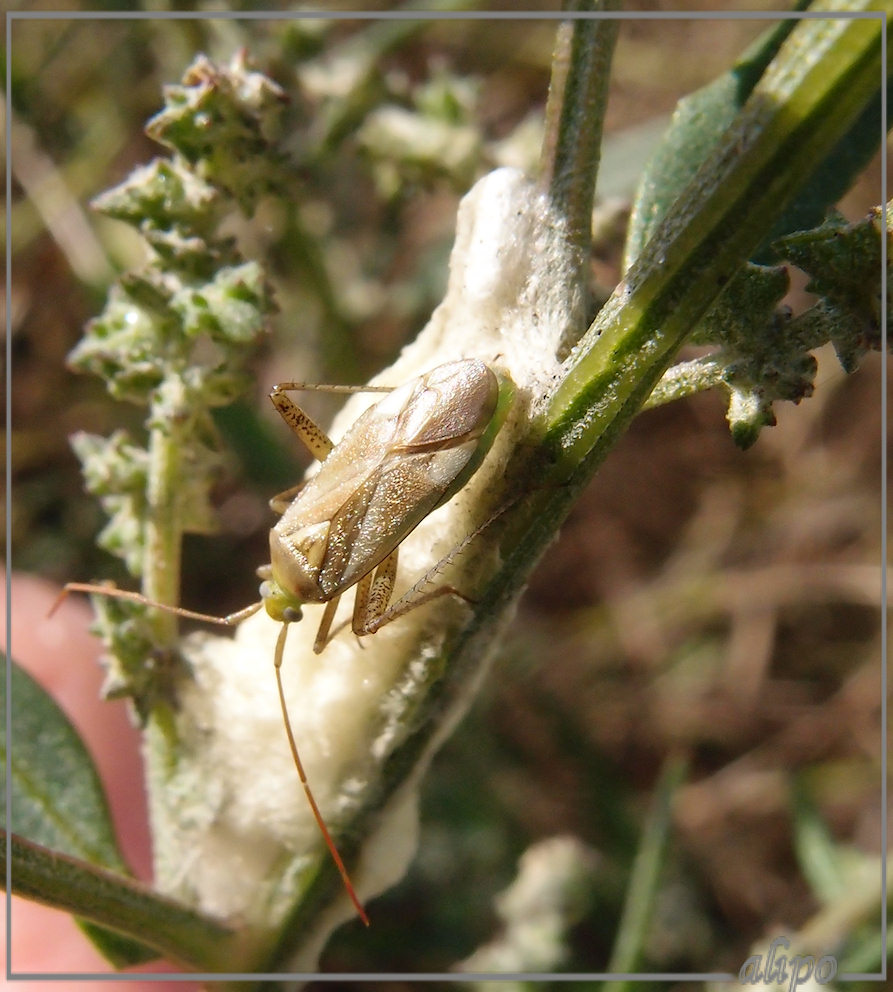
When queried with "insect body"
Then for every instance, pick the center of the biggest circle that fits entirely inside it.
(405, 456)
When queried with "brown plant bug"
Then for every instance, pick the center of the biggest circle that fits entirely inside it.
(406, 455)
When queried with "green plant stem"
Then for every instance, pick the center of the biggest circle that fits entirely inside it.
(164, 534)
(161, 583)
(644, 879)
(578, 95)
(121, 904)
(824, 75)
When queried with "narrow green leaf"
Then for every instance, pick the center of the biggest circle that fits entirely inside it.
(700, 121)
(578, 96)
(832, 178)
(818, 855)
(645, 879)
(126, 906)
(57, 796)
(120, 951)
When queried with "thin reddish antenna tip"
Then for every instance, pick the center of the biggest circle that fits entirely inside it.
(317, 815)
(57, 602)
(81, 587)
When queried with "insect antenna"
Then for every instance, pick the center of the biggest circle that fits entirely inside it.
(137, 597)
(317, 815)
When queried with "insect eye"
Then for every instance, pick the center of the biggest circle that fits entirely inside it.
(280, 606)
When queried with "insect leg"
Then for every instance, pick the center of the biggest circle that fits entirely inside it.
(325, 387)
(418, 595)
(411, 601)
(317, 815)
(373, 594)
(281, 502)
(371, 599)
(307, 430)
(322, 635)
(361, 600)
(314, 438)
(382, 587)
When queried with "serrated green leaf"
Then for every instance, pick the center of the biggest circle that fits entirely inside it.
(766, 355)
(744, 309)
(127, 633)
(221, 120)
(116, 470)
(843, 261)
(230, 307)
(162, 195)
(122, 346)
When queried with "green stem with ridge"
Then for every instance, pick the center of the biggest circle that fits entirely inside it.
(824, 76)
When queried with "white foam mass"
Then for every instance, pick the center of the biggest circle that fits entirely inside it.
(232, 811)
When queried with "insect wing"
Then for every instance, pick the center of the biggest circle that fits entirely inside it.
(349, 467)
(439, 419)
(389, 471)
(450, 405)
(396, 500)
